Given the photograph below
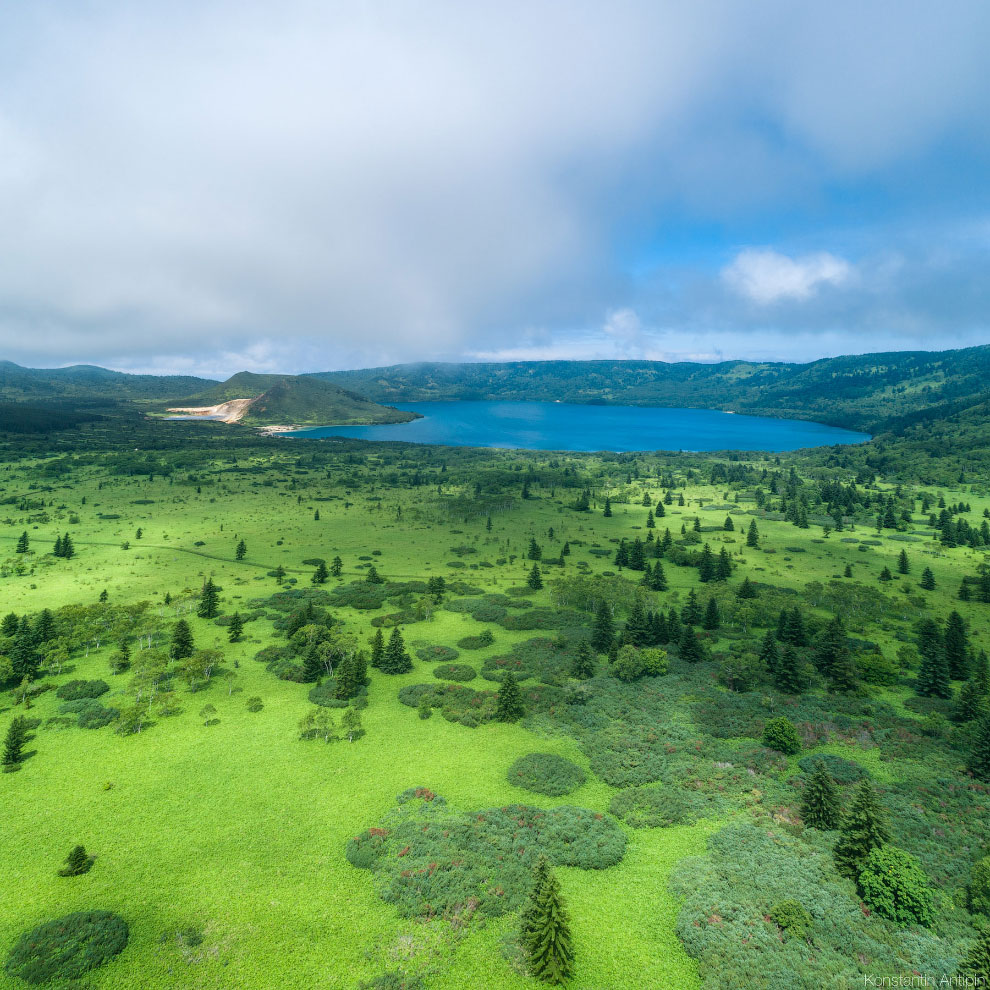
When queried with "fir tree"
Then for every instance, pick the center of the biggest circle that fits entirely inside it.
(57, 552)
(509, 706)
(209, 601)
(706, 565)
(650, 523)
(312, 667)
(729, 526)
(68, 548)
(76, 863)
(832, 647)
(547, 932)
(583, 664)
(622, 555)
(321, 574)
(691, 614)
(975, 968)
(787, 674)
(373, 577)
(746, 589)
(753, 535)
(658, 579)
(794, 631)
(933, 674)
(974, 695)
(182, 641)
(23, 543)
(637, 555)
(690, 647)
(769, 653)
(9, 625)
(236, 628)
(637, 629)
(956, 646)
(378, 649)
(13, 744)
(712, 619)
(535, 551)
(603, 631)
(820, 801)
(723, 565)
(903, 564)
(607, 511)
(535, 580)
(241, 552)
(979, 757)
(927, 581)
(336, 566)
(346, 685)
(395, 659)
(863, 829)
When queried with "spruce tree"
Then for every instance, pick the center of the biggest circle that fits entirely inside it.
(927, 581)
(603, 631)
(706, 565)
(8, 627)
(13, 744)
(979, 757)
(76, 863)
(583, 664)
(547, 931)
(658, 579)
(787, 675)
(336, 567)
(312, 667)
(903, 564)
(956, 646)
(608, 507)
(729, 526)
(820, 801)
(933, 674)
(23, 543)
(769, 652)
(723, 565)
(57, 551)
(752, 535)
(182, 641)
(637, 630)
(691, 614)
(509, 706)
(863, 829)
(712, 619)
(975, 968)
(746, 590)
(535, 580)
(241, 551)
(395, 659)
(690, 647)
(236, 628)
(974, 695)
(209, 601)
(346, 679)
(378, 649)
(321, 574)
(373, 577)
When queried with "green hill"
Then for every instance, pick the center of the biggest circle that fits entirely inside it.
(267, 400)
(89, 381)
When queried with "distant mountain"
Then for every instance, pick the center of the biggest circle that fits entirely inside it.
(303, 400)
(88, 381)
(873, 392)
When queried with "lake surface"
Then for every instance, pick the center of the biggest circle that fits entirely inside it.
(562, 426)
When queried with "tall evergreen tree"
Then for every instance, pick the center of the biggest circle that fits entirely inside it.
(956, 644)
(706, 565)
(13, 744)
(746, 590)
(607, 511)
(321, 574)
(547, 931)
(832, 646)
(690, 647)
(373, 577)
(691, 614)
(820, 801)
(769, 653)
(979, 757)
(378, 649)
(637, 629)
(23, 543)
(182, 641)
(236, 628)
(787, 675)
(535, 579)
(723, 565)
(312, 667)
(583, 664)
(209, 601)
(903, 564)
(933, 674)
(241, 550)
(603, 631)
(509, 705)
(974, 695)
(752, 535)
(395, 659)
(712, 619)
(927, 581)
(863, 829)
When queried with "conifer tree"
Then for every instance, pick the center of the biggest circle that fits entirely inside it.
(313, 668)
(23, 543)
(57, 552)
(603, 631)
(547, 931)
(509, 706)
(236, 628)
(691, 614)
(729, 526)
(535, 580)
(690, 647)
(903, 564)
(769, 653)
(650, 522)
(378, 649)
(927, 581)
(637, 630)
(979, 758)
(723, 565)
(712, 619)
(706, 565)
(76, 863)
(321, 574)
(583, 664)
(607, 511)
(13, 744)
(209, 601)
(974, 695)
(956, 645)
(863, 829)
(975, 968)
(753, 535)
(933, 674)
(336, 566)
(182, 641)
(787, 675)
(8, 627)
(746, 590)
(395, 659)
(794, 631)
(346, 678)
(373, 577)
(820, 801)
(637, 555)
(535, 551)
(241, 551)
(658, 579)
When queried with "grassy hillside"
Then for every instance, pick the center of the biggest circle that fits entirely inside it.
(294, 399)
(88, 381)
(863, 392)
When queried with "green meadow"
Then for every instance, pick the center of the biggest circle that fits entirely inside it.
(220, 838)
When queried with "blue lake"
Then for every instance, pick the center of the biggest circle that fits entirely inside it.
(562, 426)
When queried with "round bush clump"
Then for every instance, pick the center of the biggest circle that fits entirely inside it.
(781, 735)
(792, 918)
(454, 672)
(77, 690)
(435, 654)
(67, 948)
(841, 770)
(895, 886)
(546, 773)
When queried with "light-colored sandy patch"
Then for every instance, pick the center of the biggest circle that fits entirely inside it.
(226, 412)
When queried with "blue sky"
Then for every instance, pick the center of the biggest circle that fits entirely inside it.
(219, 185)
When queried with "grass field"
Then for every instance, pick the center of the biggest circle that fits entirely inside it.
(222, 844)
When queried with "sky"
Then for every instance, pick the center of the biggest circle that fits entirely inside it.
(210, 186)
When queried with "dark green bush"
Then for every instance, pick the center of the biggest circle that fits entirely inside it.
(430, 860)
(842, 771)
(454, 672)
(546, 773)
(432, 654)
(662, 805)
(77, 690)
(791, 918)
(67, 948)
(781, 735)
(895, 886)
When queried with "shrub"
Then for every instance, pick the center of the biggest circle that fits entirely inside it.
(254, 704)
(454, 672)
(89, 714)
(895, 886)
(546, 773)
(428, 859)
(433, 654)
(663, 805)
(475, 642)
(979, 887)
(325, 695)
(77, 690)
(841, 770)
(781, 735)
(68, 948)
(875, 668)
(792, 918)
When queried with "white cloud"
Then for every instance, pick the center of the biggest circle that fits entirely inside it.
(766, 276)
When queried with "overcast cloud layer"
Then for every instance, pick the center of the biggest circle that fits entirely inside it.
(303, 185)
